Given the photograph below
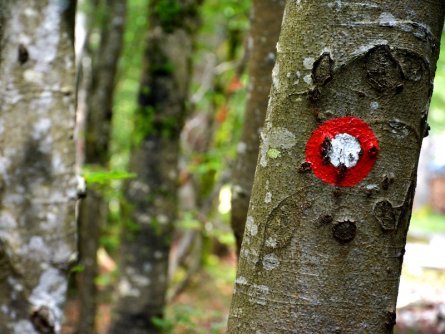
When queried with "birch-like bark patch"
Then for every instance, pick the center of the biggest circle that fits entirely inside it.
(270, 261)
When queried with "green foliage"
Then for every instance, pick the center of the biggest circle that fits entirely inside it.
(163, 67)
(425, 220)
(144, 124)
(437, 107)
(169, 13)
(105, 177)
(128, 84)
(110, 239)
(181, 316)
(77, 268)
(229, 14)
(198, 313)
(105, 279)
(189, 222)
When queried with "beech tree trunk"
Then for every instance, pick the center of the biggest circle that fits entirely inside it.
(331, 202)
(152, 197)
(93, 213)
(265, 25)
(37, 181)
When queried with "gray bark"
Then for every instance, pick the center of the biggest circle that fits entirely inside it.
(151, 207)
(93, 212)
(37, 182)
(322, 258)
(265, 25)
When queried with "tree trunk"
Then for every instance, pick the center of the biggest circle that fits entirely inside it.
(37, 183)
(100, 98)
(152, 196)
(93, 213)
(265, 28)
(331, 202)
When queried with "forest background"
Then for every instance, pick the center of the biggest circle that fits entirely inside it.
(203, 256)
(200, 289)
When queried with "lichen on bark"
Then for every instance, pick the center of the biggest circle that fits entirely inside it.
(37, 182)
(339, 250)
(265, 24)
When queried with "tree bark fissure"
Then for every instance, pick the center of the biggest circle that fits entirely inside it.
(37, 183)
(322, 252)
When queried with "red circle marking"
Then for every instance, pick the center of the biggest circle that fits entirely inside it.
(323, 169)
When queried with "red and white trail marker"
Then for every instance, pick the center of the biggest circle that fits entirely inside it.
(342, 151)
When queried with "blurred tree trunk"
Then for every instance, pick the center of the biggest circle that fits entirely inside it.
(151, 207)
(265, 27)
(325, 257)
(37, 182)
(93, 212)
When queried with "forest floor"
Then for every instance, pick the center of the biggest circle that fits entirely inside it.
(202, 308)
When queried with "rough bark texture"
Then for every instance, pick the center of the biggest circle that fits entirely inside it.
(321, 258)
(152, 196)
(93, 213)
(37, 183)
(265, 25)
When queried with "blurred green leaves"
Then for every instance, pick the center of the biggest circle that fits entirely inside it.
(105, 177)
(437, 107)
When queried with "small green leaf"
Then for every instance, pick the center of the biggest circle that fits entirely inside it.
(105, 177)
(78, 268)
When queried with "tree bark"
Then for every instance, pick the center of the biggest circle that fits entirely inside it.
(93, 212)
(100, 98)
(265, 25)
(37, 182)
(152, 196)
(325, 256)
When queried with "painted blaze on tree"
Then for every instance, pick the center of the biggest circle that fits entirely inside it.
(330, 208)
(342, 151)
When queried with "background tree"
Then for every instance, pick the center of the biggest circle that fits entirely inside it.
(99, 104)
(37, 185)
(152, 196)
(324, 240)
(265, 25)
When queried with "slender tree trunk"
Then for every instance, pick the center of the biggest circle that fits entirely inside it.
(265, 28)
(93, 213)
(152, 196)
(331, 202)
(100, 98)
(37, 183)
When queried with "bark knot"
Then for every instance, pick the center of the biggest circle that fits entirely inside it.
(386, 215)
(305, 167)
(42, 319)
(383, 70)
(344, 231)
(322, 70)
(22, 54)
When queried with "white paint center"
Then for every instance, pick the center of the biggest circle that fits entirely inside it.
(345, 150)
